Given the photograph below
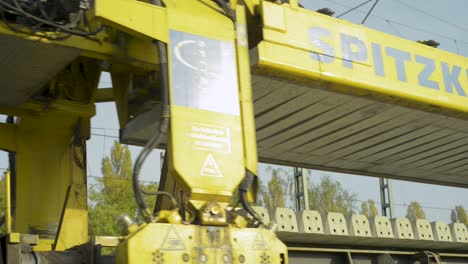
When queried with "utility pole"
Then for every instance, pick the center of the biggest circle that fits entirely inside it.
(386, 197)
(301, 191)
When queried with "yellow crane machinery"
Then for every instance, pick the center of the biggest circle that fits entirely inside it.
(216, 83)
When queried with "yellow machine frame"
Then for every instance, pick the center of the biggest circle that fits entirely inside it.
(296, 44)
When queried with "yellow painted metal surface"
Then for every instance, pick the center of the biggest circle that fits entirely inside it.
(205, 173)
(166, 243)
(135, 52)
(210, 143)
(36, 108)
(73, 228)
(134, 17)
(355, 59)
(120, 86)
(7, 137)
(245, 93)
(14, 238)
(47, 166)
(7, 202)
(48, 163)
(44, 245)
(205, 142)
(206, 137)
(140, 18)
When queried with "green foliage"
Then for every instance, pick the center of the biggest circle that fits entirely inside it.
(275, 193)
(113, 193)
(369, 209)
(458, 215)
(330, 196)
(415, 211)
(326, 196)
(453, 216)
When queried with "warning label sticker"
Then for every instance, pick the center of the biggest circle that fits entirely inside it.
(172, 241)
(259, 242)
(209, 137)
(210, 168)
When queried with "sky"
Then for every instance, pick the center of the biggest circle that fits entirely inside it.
(444, 21)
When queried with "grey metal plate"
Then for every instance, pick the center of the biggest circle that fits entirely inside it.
(27, 65)
(311, 127)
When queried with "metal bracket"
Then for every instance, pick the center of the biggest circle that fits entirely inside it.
(428, 257)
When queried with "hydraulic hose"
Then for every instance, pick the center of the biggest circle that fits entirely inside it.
(243, 189)
(163, 127)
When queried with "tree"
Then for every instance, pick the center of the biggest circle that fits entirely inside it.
(454, 216)
(368, 208)
(330, 196)
(458, 215)
(415, 211)
(113, 193)
(274, 194)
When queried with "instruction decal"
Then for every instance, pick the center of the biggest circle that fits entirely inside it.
(210, 137)
(210, 167)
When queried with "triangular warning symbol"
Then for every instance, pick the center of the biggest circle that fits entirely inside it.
(210, 167)
(259, 242)
(172, 241)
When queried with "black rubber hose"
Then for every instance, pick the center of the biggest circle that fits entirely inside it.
(243, 189)
(173, 200)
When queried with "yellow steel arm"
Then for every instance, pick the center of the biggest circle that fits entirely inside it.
(134, 17)
(245, 92)
(8, 137)
(133, 52)
(304, 45)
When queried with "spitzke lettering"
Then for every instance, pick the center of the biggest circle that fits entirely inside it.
(353, 49)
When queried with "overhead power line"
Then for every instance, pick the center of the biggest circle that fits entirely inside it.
(394, 29)
(370, 11)
(456, 46)
(105, 128)
(406, 205)
(354, 8)
(378, 203)
(431, 15)
(459, 41)
(106, 136)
